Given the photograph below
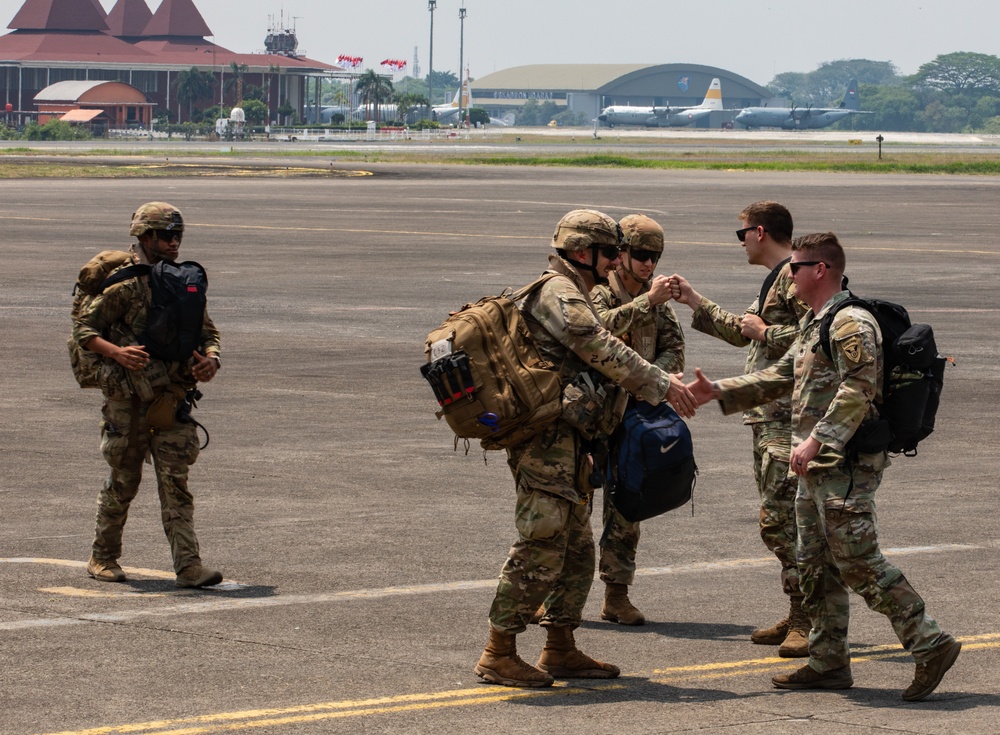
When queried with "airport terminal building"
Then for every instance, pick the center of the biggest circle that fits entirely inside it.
(589, 88)
(55, 41)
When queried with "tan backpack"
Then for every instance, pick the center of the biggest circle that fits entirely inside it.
(84, 363)
(488, 376)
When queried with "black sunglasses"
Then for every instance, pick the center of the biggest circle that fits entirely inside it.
(610, 251)
(742, 234)
(642, 256)
(794, 266)
(169, 235)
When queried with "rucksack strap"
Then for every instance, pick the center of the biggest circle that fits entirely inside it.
(827, 323)
(124, 274)
(532, 287)
(768, 282)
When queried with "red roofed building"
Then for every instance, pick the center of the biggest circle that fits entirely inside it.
(74, 40)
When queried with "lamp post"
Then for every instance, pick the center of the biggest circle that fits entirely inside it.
(461, 61)
(431, 5)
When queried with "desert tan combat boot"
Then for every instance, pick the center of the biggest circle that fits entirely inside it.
(105, 571)
(773, 636)
(500, 664)
(796, 643)
(618, 608)
(196, 575)
(563, 660)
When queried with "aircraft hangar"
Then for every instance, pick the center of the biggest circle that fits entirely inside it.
(589, 88)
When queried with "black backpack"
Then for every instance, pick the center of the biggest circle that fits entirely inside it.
(913, 376)
(176, 310)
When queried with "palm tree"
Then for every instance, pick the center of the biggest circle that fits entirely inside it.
(406, 103)
(374, 89)
(236, 80)
(194, 85)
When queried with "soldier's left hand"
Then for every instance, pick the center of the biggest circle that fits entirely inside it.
(680, 397)
(204, 368)
(802, 455)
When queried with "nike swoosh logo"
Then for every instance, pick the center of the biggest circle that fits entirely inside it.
(664, 450)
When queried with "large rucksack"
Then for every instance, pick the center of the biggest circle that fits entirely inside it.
(176, 314)
(913, 376)
(487, 374)
(85, 363)
(656, 467)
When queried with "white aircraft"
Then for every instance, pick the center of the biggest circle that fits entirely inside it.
(447, 114)
(664, 117)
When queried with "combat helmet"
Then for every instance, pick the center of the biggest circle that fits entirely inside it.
(585, 228)
(639, 232)
(156, 216)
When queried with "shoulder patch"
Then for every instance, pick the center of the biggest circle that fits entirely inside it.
(577, 314)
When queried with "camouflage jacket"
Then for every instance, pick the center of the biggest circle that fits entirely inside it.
(652, 331)
(782, 311)
(830, 396)
(119, 316)
(568, 332)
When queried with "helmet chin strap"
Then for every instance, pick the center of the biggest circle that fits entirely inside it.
(635, 276)
(592, 267)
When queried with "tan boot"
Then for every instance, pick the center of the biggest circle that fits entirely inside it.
(773, 636)
(618, 608)
(196, 575)
(500, 664)
(538, 615)
(563, 660)
(796, 643)
(105, 571)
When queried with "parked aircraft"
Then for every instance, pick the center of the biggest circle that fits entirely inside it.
(447, 114)
(802, 118)
(664, 117)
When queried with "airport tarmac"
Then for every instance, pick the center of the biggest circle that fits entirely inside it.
(361, 550)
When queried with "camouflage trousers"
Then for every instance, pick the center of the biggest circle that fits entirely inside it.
(126, 442)
(771, 448)
(552, 561)
(618, 546)
(838, 549)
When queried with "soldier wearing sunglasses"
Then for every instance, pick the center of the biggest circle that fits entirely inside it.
(634, 307)
(768, 327)
(551, 564)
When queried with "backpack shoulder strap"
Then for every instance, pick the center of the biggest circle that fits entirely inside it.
(532, 287)
(765, 287)
(827, 323)
(124, 274)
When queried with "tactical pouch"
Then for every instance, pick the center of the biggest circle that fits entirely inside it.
(593, 410)
(162, 412)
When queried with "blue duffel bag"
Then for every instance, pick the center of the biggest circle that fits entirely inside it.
(656, 467)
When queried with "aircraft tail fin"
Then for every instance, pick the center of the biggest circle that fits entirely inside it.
(851, 99)
(713, 97)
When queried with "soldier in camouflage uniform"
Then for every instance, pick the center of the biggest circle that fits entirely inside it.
(555, 471)
(140, 399)
(769, 327)
(633, 306)
(835, 503)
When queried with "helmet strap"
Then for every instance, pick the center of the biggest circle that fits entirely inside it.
(592, 267)
(632, 273)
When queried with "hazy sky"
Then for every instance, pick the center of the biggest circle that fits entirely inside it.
(755, 38)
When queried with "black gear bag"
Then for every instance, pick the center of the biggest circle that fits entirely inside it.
(177, 307)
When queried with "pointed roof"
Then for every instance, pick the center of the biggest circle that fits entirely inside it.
(99, 8)
(177, 18)
(129, 18)
(60, 15)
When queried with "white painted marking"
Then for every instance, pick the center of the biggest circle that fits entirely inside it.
(223, 605)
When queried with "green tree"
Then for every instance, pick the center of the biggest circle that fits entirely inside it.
(194, 85)
(893, 107)
(374, 89)
(478, 116)
(234, 84)
(445, 84)
(825, 86)
(256, 112)
(960, 72)
(407, 103)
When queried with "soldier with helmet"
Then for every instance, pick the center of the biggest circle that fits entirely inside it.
(141, 395)
(634, 306)
(555, 472)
